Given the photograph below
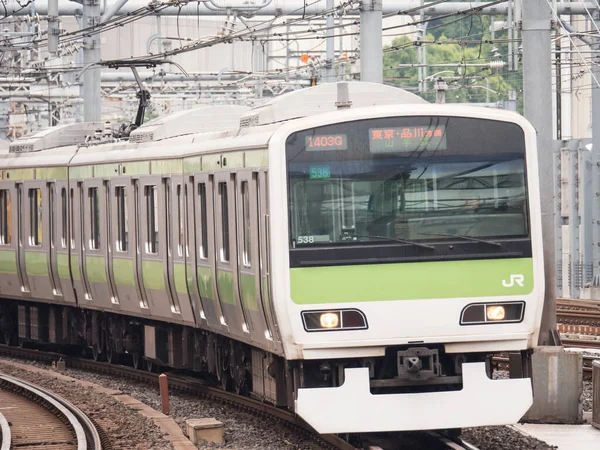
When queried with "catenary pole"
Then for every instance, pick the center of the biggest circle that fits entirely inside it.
(371, 42)
(537, 89)
(91, 54)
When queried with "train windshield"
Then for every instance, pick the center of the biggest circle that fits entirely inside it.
(412, 179)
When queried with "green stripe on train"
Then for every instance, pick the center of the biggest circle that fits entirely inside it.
(409, 281)
(205, 283)
(248, 291)
(62, 260)
(95, 267)
(225, 286)
(153, 275)
(123, 272)
(36, 264)
(8, 261)
(180, 279)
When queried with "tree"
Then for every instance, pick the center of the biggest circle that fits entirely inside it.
(464, 43)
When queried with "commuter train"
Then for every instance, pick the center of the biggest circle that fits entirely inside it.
(347, 251)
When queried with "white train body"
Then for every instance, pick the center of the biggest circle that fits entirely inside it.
(396, 245)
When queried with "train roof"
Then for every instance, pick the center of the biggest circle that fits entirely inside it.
(214, 129)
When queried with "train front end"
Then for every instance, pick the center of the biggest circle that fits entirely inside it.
(406, 248)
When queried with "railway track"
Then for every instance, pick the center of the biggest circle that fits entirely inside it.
(32, 417)
(197, 387)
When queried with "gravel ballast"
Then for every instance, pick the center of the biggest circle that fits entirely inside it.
(125, 429)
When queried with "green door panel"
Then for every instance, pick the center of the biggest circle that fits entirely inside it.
(123, 272)
(8, 261)
(37, 264)
(180, 280)
(248, 292)
(62, 259)
(205, 283)
(153, 275)
(75, 265)
(95, 267)
(410, 281)
(225, 285)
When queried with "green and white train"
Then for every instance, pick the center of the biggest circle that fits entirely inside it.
(347, 251)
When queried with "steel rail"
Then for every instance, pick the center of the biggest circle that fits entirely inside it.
(92, 436)
(5, 435)
(188, 385)
(52, 403)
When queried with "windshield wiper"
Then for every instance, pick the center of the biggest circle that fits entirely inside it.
(468, 238)
(402, 241)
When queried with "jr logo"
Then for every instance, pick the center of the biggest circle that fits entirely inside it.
(515, 278)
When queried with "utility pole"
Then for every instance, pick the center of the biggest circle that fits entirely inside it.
(595, 47)
(537, 89)
(371, 42)
(330, 45)
(91, 54)
(53, 28)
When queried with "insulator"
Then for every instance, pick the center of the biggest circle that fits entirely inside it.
(496, 64)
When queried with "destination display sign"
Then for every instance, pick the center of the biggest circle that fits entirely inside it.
(407, 139)
(326, 142)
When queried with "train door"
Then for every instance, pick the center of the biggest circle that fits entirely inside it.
(37, 240)
(137, 242)
(206, 269)
(248, 259)
(82, 291)
(226, 255)
(94, 246)
(62, 241)
(53, 208)
(191, 258)
(153, 221)
(10, 281)
(265, 257)
(122, 246)
(174, 214)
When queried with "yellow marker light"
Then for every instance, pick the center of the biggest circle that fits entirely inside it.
(495, 312)
(329, 320)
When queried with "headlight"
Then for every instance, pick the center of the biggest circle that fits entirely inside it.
(483, 313)
(331, 320)
(495, 312)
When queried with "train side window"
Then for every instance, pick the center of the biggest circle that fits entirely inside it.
(203, 221)
(35, 217)
(51, 214)
(5, 218)
(94, 219)
(151, 219)
(186, 221)
(122, 243)
(224, 222)
(64, 217)
(246, 253)
(180, 221)
(72, 217)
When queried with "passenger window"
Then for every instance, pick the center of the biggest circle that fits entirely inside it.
(51, 214)
(94, 219)
(246, 254)
(35, 218)
(180, 221)
(63, 208)
(151, 219)
(224, 222)
(5, 218)
(72, 218)
(203, 221)
(122, 243)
